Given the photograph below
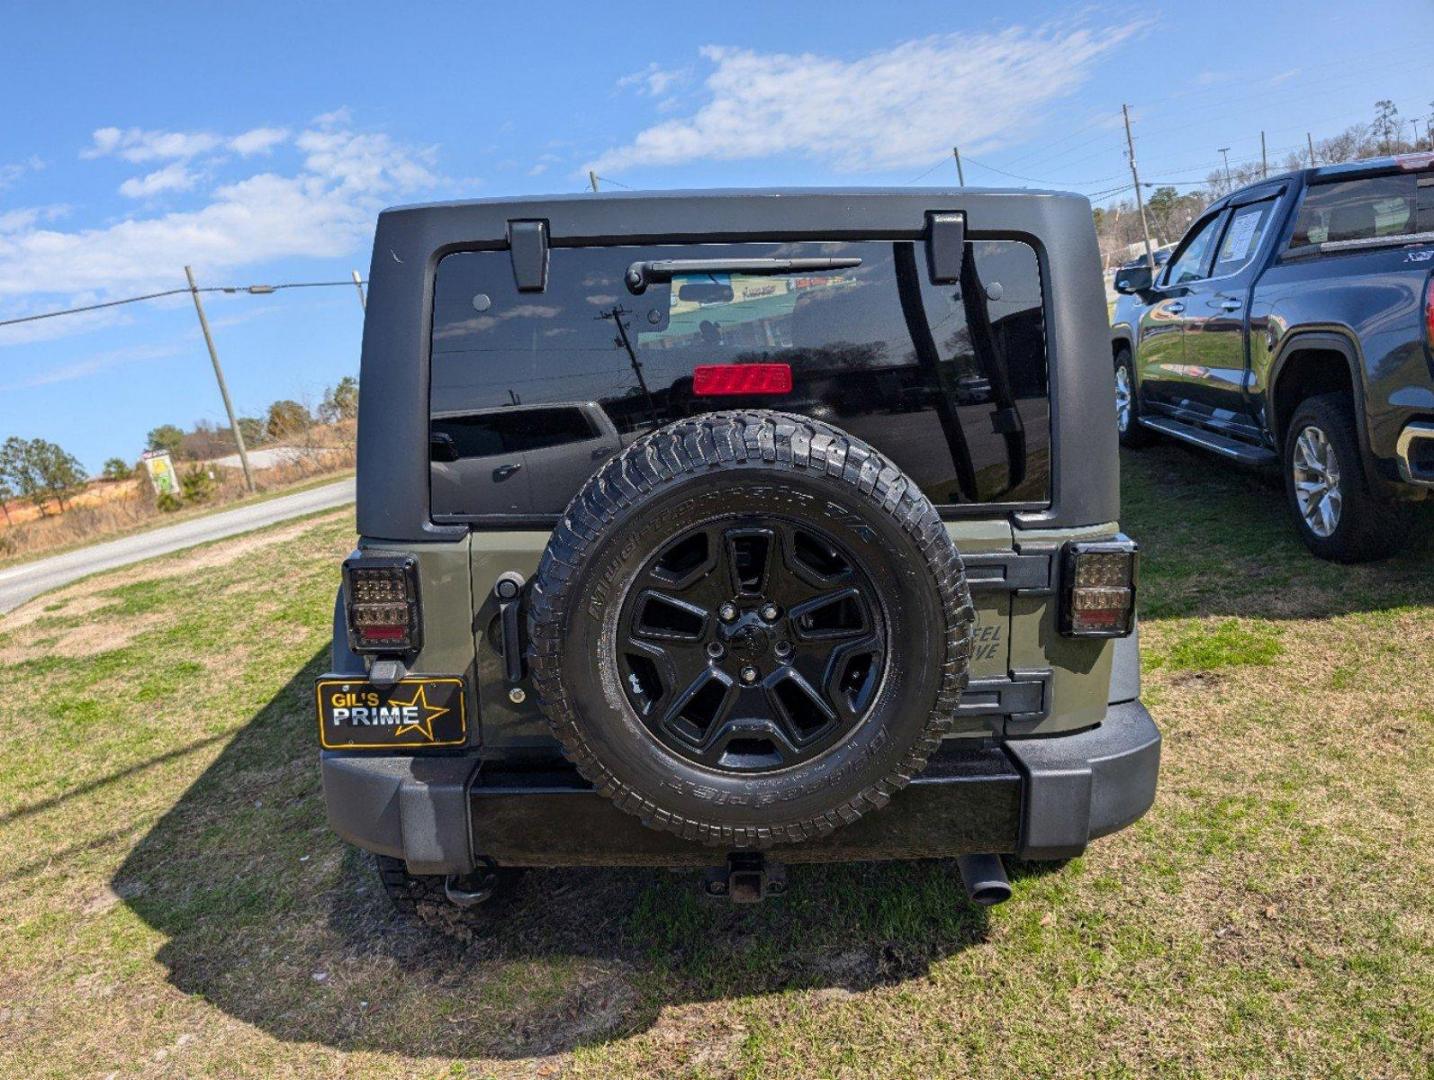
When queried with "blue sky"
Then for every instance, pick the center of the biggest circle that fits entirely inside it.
(257, 141)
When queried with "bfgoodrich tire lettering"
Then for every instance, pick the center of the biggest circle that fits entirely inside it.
(736, 468)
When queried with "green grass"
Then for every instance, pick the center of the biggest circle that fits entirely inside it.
(1228, 643)
(174, 902)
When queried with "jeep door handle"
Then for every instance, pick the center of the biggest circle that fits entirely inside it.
(1175, 308)
(1229, 305)
(502, 472)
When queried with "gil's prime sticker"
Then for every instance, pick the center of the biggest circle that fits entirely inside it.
(417, 711)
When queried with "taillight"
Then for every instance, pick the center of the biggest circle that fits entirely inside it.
(1098, 589)
(724, 380)
(1429, 315)
(381, 598)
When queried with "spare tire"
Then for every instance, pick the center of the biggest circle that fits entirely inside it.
(749, 628)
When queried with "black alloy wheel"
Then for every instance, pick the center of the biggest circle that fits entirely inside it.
(750, 644)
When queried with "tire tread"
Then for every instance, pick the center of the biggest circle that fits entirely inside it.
(699, 445)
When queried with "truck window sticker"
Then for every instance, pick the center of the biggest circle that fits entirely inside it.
(1242, 231)
(1242, 238)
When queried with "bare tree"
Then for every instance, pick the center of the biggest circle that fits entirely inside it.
(1386, 126)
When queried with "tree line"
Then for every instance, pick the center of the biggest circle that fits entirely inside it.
(283, 421)
(44, 472)
(38, 470)
(1170, 212)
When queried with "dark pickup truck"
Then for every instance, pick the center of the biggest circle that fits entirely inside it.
(1294, 326)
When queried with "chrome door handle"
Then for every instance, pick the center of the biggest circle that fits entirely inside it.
(1229, 305)
(502, 472)
(1175, 308)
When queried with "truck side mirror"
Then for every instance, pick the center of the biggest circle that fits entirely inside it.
(1133, 280)
(441, 447)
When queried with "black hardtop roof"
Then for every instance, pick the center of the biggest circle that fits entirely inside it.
(537, 205)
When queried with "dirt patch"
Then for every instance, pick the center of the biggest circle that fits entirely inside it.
(61, 605)
(91, 639)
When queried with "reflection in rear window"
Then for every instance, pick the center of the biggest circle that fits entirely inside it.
(1356, 210)
(949, 381)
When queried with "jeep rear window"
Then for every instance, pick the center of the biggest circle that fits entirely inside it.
(948, 381)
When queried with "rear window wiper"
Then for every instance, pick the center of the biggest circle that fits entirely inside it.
(642, 274)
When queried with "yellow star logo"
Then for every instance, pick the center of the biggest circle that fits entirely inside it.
(429, 713)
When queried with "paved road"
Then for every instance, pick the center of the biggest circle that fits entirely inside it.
(19, 583)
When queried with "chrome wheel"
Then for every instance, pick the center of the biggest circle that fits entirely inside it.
(1122, 398)
(1316, 477)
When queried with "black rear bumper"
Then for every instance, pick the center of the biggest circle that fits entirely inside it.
(1035, 798)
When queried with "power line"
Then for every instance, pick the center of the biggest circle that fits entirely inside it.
(256, 290)
(923, 175)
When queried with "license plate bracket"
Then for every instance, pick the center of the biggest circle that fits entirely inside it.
(417, 712)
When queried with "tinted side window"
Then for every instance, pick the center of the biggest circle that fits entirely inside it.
(541, 428)
(470, 436)
(1356, 210)
(1242, 237)
(1189, 265)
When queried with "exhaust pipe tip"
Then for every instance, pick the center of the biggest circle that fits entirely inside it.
(985, 879)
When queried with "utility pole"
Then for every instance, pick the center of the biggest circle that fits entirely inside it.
(1229, 183)
(1310, 143)
(592, 179)
(1416, 133)
(358, 284)
(219, 375)
(1139, 202)
(960, 175)
(616, 315)
(1264, 161)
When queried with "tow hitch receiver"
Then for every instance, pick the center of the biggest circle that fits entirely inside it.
(747, 878)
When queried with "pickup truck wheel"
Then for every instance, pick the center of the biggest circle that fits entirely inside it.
(1337, 516)
(1127, 406)
(749, 629)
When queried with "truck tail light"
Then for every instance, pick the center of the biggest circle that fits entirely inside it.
(381, 600)
(1098, 589)
(1429, 314)
(723, 380)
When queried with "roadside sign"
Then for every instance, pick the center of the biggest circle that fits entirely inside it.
(160, 467)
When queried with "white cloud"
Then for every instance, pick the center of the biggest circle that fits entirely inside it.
(138, 146)
(26, 216)
(103, 361)
(893, 108)
(10, 173)
(259, 140)
(543, 164)
(173, 177)
(324, 206)
(655, 80)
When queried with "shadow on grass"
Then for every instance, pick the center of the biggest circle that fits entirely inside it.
(1218, 540)
(270, 918)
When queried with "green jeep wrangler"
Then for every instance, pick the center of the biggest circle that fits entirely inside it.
(729, 530)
